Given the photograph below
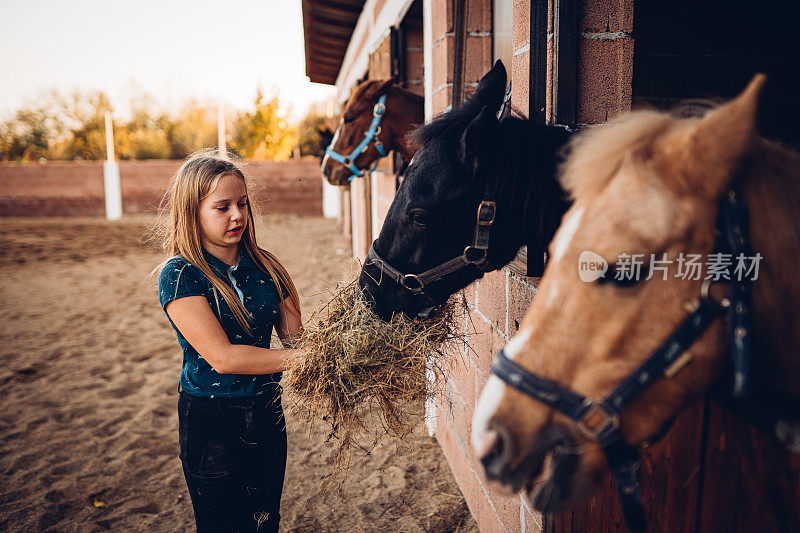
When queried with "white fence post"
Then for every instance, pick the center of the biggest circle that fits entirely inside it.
(330, 200)
(113, 191)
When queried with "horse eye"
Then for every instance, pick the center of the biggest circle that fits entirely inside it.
(621, 281)
(348, 120)
(419, 217)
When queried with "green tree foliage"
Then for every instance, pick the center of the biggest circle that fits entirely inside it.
(265, 132)
(308, 131)
(54, 126)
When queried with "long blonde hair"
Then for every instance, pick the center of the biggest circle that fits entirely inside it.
(180, 227)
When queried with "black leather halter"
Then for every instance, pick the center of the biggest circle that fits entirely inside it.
(598, 419)
(476, 255)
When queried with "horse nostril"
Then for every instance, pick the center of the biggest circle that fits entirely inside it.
(491, 459)
(326, 171)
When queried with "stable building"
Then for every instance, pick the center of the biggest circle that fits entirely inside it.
(576, 63)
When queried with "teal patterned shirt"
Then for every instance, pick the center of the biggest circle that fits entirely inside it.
(179, 278)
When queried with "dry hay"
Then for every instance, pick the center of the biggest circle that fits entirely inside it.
(354, 362)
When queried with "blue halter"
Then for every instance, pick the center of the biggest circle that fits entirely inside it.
(371, 134)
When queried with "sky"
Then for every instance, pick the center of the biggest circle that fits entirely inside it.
(173, 49)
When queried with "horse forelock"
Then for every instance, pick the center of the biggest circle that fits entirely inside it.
(596, 154)
(455, 120)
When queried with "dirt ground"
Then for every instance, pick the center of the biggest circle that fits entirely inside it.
(88, 421)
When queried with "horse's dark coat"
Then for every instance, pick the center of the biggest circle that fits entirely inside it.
(432, 218)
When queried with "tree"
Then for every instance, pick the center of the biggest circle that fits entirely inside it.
(194, 128)
(33, 131)
(84, 115)
(308, 131)
(263, 133)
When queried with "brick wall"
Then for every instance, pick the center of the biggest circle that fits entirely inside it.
(72, 188)
(497, 303)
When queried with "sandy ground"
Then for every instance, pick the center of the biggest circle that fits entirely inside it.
(88, 424)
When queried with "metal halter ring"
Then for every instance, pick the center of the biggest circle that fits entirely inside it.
(379, 110)
(414, 279)
(473, 254)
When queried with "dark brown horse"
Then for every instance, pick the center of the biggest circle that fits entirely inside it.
(402, 111)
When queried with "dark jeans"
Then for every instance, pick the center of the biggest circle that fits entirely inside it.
(233, 452)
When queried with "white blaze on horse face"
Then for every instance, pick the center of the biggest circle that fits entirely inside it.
(331, 145)
(565, 234)
(484, 438)
(516, 343)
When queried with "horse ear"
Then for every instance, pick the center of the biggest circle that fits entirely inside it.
(377, 89)
(478, 136)
(718, 141)
(492, 88)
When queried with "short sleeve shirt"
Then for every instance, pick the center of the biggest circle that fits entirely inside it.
(179, 278)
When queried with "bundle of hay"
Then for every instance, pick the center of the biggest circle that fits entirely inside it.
(355, 362)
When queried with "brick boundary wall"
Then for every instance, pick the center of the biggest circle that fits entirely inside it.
(75, 188)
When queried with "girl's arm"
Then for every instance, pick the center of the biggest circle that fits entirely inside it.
(198, 324)
(290, 326)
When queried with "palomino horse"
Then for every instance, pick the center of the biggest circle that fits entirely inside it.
(375, 121)
(603, 363)
(476, 191)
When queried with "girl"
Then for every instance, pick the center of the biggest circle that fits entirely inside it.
(223, 295)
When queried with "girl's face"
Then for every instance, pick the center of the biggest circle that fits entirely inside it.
(224, 213)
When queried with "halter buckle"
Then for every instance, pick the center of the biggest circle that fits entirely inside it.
(486, 212)
(596, 420)
(379, 110)
(416, 284)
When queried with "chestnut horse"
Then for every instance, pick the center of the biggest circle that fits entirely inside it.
(401, 111)
(602, 364)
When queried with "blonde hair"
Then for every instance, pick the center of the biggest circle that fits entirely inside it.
(180, 227)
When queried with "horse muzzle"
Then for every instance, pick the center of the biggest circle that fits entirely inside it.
(547, 473)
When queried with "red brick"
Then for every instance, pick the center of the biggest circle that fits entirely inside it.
(479, 60)
(462, 375)
(76, 187)
(442, 58)
(479, 17)
(605, 73)
(492, 298)
(441, 99)
(520, 79)
(533, 519)
(605, 16)
(520, 298)
(521, 24)
(457, 412)
(484, 342)
(472, 489)
(470, 292)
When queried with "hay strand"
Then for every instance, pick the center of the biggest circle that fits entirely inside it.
(357, 366)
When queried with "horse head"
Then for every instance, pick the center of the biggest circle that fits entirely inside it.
(649, 186)
(461, 208)
(376, 120)
(325, 137)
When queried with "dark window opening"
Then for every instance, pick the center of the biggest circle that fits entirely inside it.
(711, 49)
